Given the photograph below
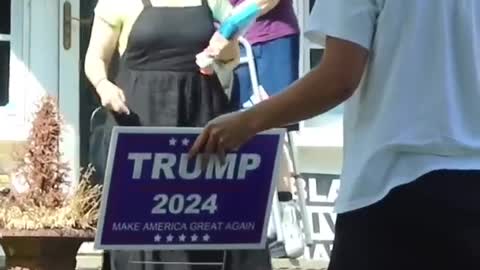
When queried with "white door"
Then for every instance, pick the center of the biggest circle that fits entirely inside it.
(28, 66)
(33, 47)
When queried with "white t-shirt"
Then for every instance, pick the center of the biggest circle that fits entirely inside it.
(417, 108)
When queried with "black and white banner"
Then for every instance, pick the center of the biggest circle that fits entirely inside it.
(321, 190)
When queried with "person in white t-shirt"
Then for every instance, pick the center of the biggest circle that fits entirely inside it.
(409, 71)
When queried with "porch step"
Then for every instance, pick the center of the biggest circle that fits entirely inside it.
(94, 262)
(91, 259)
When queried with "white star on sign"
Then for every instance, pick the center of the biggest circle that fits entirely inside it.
(169, 238)
(194, 238)
(185, 142)
(157, 238)
(172, 141)
(206, 238)
(182, 238)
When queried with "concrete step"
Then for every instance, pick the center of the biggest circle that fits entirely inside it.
(94, 262)
(91, 259)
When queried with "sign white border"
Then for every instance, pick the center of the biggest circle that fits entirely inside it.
(179, 130)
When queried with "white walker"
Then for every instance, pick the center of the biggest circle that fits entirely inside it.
(283, 221)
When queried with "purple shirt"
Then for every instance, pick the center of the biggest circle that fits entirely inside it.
(280, 22)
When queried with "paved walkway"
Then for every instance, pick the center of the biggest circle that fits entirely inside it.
(93, 262)
(285, 264)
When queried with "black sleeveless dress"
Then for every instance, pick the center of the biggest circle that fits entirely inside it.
(163, 87)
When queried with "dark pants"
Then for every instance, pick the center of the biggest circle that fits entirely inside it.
(430, 224)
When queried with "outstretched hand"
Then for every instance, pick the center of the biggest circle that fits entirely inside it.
(225, 133)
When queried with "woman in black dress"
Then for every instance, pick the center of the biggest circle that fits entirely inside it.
(157, 84)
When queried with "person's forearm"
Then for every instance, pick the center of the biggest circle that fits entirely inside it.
(96, 69)
(231, 28)
(310, 96)
(103, 42)
(241, 18)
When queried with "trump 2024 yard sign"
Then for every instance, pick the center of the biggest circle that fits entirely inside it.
(155, 198)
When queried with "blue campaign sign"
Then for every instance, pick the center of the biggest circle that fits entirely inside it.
(155, 198)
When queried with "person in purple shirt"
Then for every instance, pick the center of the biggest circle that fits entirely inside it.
(275, 42)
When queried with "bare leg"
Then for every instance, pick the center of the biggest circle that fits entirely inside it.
(289, 230)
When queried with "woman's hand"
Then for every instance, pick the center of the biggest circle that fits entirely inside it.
(224, 133)
(217, 45)
(112, 97)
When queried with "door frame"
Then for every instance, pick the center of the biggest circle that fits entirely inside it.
(69, 85)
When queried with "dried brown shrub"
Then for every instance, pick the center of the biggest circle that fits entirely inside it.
(42, 167)
(45, 204)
